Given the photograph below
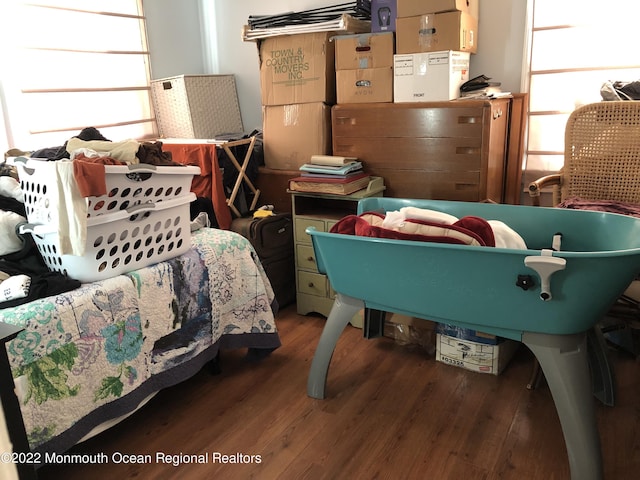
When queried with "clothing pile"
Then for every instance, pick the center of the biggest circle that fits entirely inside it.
(425, 225)
(23, 274)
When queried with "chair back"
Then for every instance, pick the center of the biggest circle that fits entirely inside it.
(602, 152)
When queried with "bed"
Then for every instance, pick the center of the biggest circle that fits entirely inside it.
(96, 353)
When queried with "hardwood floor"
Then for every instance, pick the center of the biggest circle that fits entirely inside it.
(391, 412)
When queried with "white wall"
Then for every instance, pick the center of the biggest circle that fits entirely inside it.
(174, 33)
(173, 25)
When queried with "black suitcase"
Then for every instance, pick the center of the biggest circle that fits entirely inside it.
(272, 239)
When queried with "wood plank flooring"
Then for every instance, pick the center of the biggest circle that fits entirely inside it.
(391, 412)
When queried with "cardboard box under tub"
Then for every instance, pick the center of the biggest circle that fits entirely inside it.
(436, 32)
(467, 334)
(196, 106)
(297, 69)
(411, 331)
(430, 76)
(475, 356)
(293, 133)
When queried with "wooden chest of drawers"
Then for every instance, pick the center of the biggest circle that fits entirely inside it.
(441, 150)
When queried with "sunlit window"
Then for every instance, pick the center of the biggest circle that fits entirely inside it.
(70, 64)
(575, 46)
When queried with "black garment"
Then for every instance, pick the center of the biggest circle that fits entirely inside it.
(28, 261)
(230, 172)
(58, 153)
(44, 285)
(9, 204)
(204, 204)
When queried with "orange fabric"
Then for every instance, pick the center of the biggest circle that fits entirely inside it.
(90, 178)
(90, 174)
(209, 183)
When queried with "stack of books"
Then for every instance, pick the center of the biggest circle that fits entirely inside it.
(331, 174)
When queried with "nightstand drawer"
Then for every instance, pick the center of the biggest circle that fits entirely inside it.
(306, 257)
(312, 283)
(301, 225)
(330, 224)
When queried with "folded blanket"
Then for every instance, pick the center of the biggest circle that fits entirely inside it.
(611, 206)
(404, 222)
(124, 151)
(468, 230)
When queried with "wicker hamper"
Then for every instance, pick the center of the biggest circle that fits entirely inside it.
(196, 106)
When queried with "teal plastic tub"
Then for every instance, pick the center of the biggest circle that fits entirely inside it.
(475, 287)
(566, 291)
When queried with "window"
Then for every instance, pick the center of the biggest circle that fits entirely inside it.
(70, 64)
(575, 46)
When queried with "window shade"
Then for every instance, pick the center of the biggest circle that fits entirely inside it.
(75, 64)
(575, 46)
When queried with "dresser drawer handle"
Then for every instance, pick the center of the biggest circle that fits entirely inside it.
(310, 258)
(310, 285)
(468, 151)
(468, 120)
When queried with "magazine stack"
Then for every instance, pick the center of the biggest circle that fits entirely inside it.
(330, 174)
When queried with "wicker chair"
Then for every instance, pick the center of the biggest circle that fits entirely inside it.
(601, 155)
(601, 163)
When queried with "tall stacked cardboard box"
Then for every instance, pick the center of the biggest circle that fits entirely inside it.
(364, 67)
(434, 40)
(297, 79)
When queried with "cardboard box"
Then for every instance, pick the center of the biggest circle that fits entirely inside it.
(478, 357)
(196, 106)
(297, 69)
(427, 77)
(365, 85)
(365, 50)
(436, 32)
(383, 15)
(467, 334)
(410, 8)
(407, 330)
(292, 133)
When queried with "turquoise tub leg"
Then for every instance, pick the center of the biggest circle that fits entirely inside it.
(343, 310)
(564, 361)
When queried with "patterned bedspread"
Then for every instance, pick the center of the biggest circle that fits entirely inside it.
(92, 354)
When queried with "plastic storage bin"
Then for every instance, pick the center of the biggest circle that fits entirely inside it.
(127, 186)
(122, 241)
(196, 106)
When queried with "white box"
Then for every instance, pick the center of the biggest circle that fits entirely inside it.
(429, 76)
(196, 106)
(479, 357)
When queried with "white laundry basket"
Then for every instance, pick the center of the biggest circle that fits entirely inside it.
(121, 241)
(127, 186)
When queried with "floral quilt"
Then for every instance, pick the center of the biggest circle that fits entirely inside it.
(94, 353)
